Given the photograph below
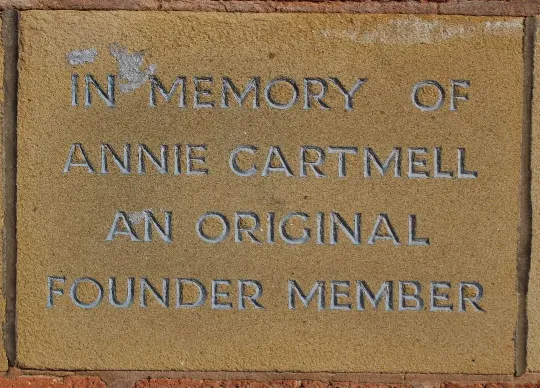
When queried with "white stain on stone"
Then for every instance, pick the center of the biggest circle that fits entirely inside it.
(130, 68)
(351, 35)
(415, 30)
(502, 26)
(80, 57)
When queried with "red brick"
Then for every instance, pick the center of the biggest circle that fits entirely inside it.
(189, 383)
(285, 384)
(344, 384)
(527, 385)
(52, 382)
(314, 384)
(490, 385)
(339, 384)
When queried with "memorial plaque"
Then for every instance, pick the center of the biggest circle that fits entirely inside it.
(268, 192)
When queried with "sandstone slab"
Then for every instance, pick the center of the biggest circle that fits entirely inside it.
(261, 192)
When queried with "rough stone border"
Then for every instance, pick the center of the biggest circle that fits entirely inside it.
(445, 7)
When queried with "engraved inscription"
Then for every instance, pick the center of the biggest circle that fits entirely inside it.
(339, 190)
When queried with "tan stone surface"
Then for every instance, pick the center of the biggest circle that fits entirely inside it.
(64, 219)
